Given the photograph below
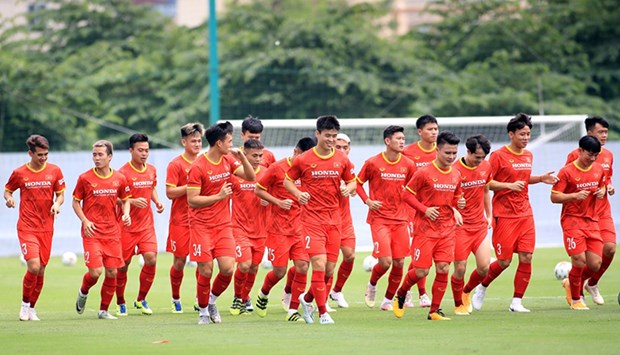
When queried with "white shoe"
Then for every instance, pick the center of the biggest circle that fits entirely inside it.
(478, 297)
(338, 297)
(214, 314)
(326, 319)
(308, 309)
(371, 292)
(386, 305)
(518, 308)
(409, 300)
(203, 319)
(105, 315)
(24, 312)
(594, 292)
(425, 301)
(32, 314)
(328, 308)
(286, 300)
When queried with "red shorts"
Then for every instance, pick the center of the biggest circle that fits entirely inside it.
(607, 230)
(249, 249)
(347, 236)
(208, 243)
(322, 239)
(138, 243)
(178, 240)
(512, 235)
(103, 252)
(390, 240)
(426, 250)
(468, 241)
(282, 248)
(577, 241)
(35, 245)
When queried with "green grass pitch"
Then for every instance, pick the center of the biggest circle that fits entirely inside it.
(551, 327)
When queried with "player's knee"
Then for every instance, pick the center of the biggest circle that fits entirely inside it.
(609, 250)
(244, 267)
(504, 263)
(150, 259)
(400, 262)
(253, 268)
(110, 273)
(483, 270)
(279, 272)
(594, 265)
(385, 262)
(420, 273)
(179, 264)
(442, 268)
(349, 258)
(301, 267)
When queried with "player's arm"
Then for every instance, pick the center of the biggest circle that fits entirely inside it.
(60, 199)
(561, 197)
(487, 205)
(548, 178)
(246, 171)
(173, 191)
(195, 200)
(8, 197)
(301, 196)
(410, 198)
(156, 201)
(513, 186)
(88, 226)
(262, 193)
(126, 205)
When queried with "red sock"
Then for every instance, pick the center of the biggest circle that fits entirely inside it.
(203, 289)
(597, 275)
(376, 273)
(439, 289)
(574, 279)
(422, 286)
(176, 277)
(586, 274)
(34, 297)
(328, 286)
(522, 279)
(147, 276)
(309, 296)
(121, 282)
(290, 274)
(394, 279)
(344, 271)
(494, 271)
(28, 284)
(299, 287)
(410, 279)
(87, 282)
(270, 281)
(457, 290)
(220, 284)
(474, 280)
(107, 292)
(247, 286)
(240, 278)
(318, 290)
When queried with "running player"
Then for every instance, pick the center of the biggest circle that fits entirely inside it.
(139, 237)
(38, 183)
(252, 128)
(94, 202)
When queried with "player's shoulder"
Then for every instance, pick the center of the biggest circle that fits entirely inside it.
(52, 167)
(607, 152)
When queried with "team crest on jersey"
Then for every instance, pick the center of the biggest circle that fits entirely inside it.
(116, 183)
(313, 166)
(48, 177)
(336, 165)
(403, 169)
(596, 176)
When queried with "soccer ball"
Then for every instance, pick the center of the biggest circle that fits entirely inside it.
(266, 264)
(562, 269)
(22, 259)
(69, 258)
(370, 262)
(189, 263)
(141, 260)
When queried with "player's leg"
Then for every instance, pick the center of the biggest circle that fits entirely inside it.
(177, 244)
(482, 253)
(608, 234)
(201, 253)
(147, 246)
(286, 292)
(462, 249)
(301, 262)
(45, 249)
(443, 254)
(399, 247)
(30, 250)
(128, 244)
(243, 255)
(347, 247)
(278, 253)
(382, 250)
(594, 256)
(93, 259)
(112, 253)
(257, 250)
(421, 264)
(525, 248)
(224, 252)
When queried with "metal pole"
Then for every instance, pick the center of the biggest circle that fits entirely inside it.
(213, 66)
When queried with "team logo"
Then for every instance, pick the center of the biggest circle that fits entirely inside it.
(596, 176)
(313, 166)
(336, 165)
(403, 169)
(483, 172)
(49, 177)
(528, 160)
(116, 183)
(381, 169)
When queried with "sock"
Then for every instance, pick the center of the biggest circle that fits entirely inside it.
(270, 281)
(176, 277)
(121, 282)
(377, 272)
(34, 297)
(597, 275)
(574, 280)
(410, 279)
(318, 290)
(474, 280)
(394, 279)
(494, 271)
(203, 289)
(586, 274)
(107, 292)
(328, 286)
(522, 279)
(240, 278)
(298, 287)
(422, 286)
(289, 279)
(247, 286)
(87, 282)
(439, 289)
(28, 284)
(344, 271)
(220, 284)
(457, 290)
(147, 276)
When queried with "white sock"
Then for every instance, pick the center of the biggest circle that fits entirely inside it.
(212, 298)
(516, 301)
(25, 304)
(203, 311)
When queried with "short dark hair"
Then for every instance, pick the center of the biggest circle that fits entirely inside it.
(389, 131)
(192, 128)
(306, 143)
(37, 141)
(327, 122)
(424, 120)
(447, 137)
(590, 144)
(591, 121)
(218, 132)
(137, 137)
(518, 122)
(252, 124)
(253, 144)
(109, 148)
(472, 143)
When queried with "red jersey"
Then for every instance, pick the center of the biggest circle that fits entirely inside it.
(473, 183)
(282, 221)
(320, 176)
(209, 177)
(508, 166)
(606, 160)
(574, 179)
(434, 187)
(176, 175)
(248, 215)
(387, 180)
(345, 207)
(98, 195)
(141, 184)
(37, 189)
(418, 155)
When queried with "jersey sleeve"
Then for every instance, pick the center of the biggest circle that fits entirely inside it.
(59, 184)
(124, 191)
(415, 183)
(194, 178)
(172, 173)
(348, 174)
(154, 177)
(294, 172)
(78, 192)
(234, 164)
(364, 174)
(494, 163)
(266, 181)
(561, 184)
(571, 157)
(13, 183)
